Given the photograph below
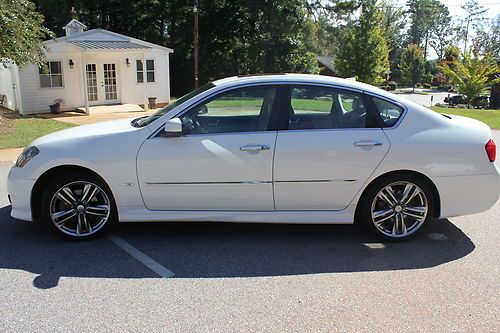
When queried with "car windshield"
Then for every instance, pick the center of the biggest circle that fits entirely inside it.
(143, 121)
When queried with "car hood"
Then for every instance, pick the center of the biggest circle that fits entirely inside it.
(88, 131)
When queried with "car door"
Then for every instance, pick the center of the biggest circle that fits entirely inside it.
(329, 145)
(223, 160)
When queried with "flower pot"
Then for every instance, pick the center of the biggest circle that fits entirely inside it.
(152, 102)
(55, 108)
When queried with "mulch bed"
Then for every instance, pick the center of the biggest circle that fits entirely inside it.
(6, 117)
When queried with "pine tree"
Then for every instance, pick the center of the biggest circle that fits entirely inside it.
(412, 65)
(363, 52)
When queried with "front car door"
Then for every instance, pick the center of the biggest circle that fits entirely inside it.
(223, 160)
(328, 147)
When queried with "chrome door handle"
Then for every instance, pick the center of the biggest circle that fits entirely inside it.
(367, 143)
(254, 147)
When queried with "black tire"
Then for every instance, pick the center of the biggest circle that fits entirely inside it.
(77, 182)
(364, 216)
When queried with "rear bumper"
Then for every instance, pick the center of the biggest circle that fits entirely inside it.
(20, 195)
(465, 195)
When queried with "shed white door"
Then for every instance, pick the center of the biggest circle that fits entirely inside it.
(102, 83)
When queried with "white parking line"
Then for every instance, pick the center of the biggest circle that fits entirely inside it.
(141, 257)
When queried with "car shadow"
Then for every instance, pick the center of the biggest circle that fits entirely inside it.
(216, 250)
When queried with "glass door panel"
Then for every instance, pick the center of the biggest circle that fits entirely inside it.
(110, 91)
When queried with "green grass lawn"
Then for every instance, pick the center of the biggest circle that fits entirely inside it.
(22, 131)
(489, 117)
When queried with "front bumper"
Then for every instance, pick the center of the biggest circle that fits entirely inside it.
(20, 195)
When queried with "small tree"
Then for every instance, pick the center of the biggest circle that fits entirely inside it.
(21, 33)
(412, 65)
(364, 51)
(471, 75)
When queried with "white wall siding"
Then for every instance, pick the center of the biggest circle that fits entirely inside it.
(133, 92)
(36, 99)
(8, 85)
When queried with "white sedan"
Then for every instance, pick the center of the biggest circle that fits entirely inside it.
(276, 148)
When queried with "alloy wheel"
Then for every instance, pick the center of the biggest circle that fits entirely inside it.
(80, 208)
(399, 209)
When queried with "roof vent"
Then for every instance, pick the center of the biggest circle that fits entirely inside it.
(74, 27)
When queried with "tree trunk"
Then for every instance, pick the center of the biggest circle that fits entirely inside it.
(425, 45)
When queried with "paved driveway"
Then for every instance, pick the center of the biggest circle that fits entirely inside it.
(247, 277)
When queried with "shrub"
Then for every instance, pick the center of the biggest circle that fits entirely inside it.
(445, 87)
(472, 74)
(427, 78)
(481, 101)
(392, 85)
(418, 85)
(438, 79)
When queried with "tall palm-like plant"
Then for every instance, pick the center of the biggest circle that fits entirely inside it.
(471, 75)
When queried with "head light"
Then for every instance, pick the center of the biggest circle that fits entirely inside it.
(26, 156)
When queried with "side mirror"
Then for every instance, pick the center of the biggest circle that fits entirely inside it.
(173, 127)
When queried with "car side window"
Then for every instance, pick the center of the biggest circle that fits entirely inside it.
(325, 108)
(240, 110)
(389, 112)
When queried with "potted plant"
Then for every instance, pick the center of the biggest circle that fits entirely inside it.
(56, 107)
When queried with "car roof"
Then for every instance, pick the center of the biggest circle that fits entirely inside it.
(304, 78)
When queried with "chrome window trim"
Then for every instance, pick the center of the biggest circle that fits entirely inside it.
(332, 129)
(215, 134)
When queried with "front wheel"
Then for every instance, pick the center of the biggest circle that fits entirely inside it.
(78, 206)
(397, 207)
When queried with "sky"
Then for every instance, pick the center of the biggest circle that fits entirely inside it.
(455, 10)
(454, 6)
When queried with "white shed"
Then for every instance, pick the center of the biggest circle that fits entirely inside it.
(85, 68)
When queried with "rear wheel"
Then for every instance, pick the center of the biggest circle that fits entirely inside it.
(78, 206)
(397, 207)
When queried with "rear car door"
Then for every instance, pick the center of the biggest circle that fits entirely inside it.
(328, 146)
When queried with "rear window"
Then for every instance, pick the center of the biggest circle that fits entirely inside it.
(389, 112)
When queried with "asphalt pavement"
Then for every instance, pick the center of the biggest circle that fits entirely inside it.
(250, 278)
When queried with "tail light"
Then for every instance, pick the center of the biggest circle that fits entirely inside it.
(491, 150)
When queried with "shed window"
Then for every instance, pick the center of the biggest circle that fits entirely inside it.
(150, 71)
(140, 71)
(51, 75)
